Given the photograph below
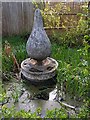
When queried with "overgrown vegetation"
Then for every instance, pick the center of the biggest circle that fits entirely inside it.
(74, 30)
(73, 74)
(72, 51)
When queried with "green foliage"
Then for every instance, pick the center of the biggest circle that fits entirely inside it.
(69, 38)
(20, 52)
(15, 93)
(84, 112)
(13, 113)
(2, 94)
(73, 70)
(13, 40)
(56, 113)
(87, 38)
(82, 26)
(7, 64)
(18, 49)
(72, 36)
(53, 15)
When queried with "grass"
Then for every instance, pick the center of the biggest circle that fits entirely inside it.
(73, 70)
(65, 54)
(18, 48)
(14, 40)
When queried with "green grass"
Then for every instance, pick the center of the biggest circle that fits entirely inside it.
(14, 40)
(73, 69)
(69, 55)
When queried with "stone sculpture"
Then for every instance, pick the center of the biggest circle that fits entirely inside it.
(38, 45)
(39, 66)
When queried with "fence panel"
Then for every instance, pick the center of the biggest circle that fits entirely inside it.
(17, 17)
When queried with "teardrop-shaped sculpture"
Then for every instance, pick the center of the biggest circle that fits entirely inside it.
(38, 45)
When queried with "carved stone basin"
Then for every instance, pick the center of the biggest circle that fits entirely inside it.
(33, 71)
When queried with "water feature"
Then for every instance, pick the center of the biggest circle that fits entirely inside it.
(39, 67)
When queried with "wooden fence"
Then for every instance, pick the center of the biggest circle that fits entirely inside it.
(17, 17)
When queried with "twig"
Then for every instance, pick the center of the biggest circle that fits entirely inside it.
(9, 53)
(67, 105)
(76, 109)
(4, 77)
(15, 61)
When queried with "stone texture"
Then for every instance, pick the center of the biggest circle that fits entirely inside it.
(38, 45)
(39, 68)
(38, 76)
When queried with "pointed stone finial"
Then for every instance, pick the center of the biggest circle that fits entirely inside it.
(38, 45)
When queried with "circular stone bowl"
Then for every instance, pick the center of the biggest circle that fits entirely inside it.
(38, 76)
